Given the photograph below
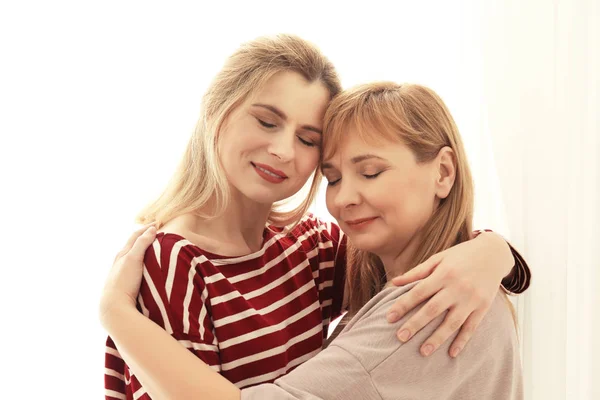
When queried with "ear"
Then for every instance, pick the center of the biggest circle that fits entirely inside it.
(446, 172)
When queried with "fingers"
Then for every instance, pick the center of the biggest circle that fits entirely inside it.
(421, 271)
(431, 310)
(141, 244)
(466, 332)
(132, 240)
(409, 300)
(453, 321)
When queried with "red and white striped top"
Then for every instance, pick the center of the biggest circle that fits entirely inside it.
(252, 318)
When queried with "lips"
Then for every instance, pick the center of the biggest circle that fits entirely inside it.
(269, 174)
(359, 221)
(270, 170)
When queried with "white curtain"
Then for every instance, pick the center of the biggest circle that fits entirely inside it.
(541, 81)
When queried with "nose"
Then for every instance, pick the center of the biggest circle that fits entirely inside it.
(282, 145)
(346, 195)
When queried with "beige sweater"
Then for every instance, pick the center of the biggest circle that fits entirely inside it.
(367, 361)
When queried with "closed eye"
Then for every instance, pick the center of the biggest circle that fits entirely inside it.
(265, 124)
(333, 183)
(306, 142)
(373, 176)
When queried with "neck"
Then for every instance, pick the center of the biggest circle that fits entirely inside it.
(241, 225)
(399, 261)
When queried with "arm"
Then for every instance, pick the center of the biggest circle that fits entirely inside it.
(367, 362)
(186, 376)
(134, 333)
(183, 376)
(464, 280)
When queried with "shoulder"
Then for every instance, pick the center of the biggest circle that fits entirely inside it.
(368, 336)
(173, 244)
(182, 231)
(498, 326)
(372, 339)
(171, 263)
(178, 228)
(379, 304)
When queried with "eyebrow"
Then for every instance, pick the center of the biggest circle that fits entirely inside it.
(363, 157)
(282, 115)
(354, 160)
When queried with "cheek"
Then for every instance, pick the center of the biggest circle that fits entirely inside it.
(243, 129)
(223, 153)
(226, 141)
(307, 160)
(424, 190)
(387, 196)
(243, 144)
(402, 200)
(329, 195)
(418, 199)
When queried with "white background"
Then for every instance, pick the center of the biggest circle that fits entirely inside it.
(97, 102)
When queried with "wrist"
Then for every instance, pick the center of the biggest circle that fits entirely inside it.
(115, 308)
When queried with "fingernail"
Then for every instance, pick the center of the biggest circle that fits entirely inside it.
(454, 352)
(404, 335)
(427, 350)
(392, 316)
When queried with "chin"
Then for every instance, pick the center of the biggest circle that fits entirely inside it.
(367, 243)
(262, 195)
(261, 198)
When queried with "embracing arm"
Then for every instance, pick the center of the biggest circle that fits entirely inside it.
(464, 280)
(164, 368)
(367, 362)
(186, 376)
(155, 353)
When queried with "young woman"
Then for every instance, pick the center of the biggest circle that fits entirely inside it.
(247, 296)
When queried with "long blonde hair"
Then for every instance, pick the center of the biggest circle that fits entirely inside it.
(199, 180)
(417, 117)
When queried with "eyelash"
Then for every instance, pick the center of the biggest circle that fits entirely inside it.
(271, 126)
(373, 176)
(306, 142)
(265, 124)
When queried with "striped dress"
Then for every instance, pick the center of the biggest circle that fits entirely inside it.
(252, 318)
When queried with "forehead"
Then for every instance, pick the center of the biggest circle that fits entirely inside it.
(295, 96)
(351, 142)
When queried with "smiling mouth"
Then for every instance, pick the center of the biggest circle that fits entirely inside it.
(271, 175)
(269, 172)
(358, 222)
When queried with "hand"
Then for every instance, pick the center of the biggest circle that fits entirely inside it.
(125, 277)
(464, 280)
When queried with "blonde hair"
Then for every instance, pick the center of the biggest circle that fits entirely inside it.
(417, 117)
(200, 180)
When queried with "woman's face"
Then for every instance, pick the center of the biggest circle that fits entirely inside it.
(270, 145)
(379, 194)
